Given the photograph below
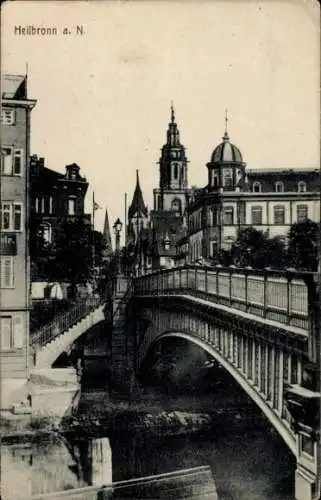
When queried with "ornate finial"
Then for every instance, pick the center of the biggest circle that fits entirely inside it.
(172, 113)
(226, 137)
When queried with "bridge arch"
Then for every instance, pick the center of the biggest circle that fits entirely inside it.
(279, 425)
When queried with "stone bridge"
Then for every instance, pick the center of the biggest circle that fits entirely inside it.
(263, 328)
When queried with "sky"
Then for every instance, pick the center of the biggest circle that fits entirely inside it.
(103, 97)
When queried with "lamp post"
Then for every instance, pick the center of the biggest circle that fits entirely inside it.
(117, 228)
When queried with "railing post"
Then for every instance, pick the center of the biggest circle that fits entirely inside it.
(246, 275)
(265, 290)
(288, 299)
(230, 286)
(206, 281)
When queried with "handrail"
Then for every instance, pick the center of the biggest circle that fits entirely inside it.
(282, 297)
(63, 321)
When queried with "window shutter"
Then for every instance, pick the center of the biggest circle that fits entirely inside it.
(18, 332)
(6, 333)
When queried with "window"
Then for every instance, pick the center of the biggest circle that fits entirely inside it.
(228, 181)
(256, 215)
(11, 161)
(7, 272)
(17, 162)
(11, 216)
(45, 231)
(37, 204)
(71, 206)
(6, 161)
(256, 187)
(11, 332)
(175, 171)
(42, 204)
(228, 215)
(213, 248)
(176, 205)
(50, 204)
(7, 116)
(302, 187)
(279, 214)
(279, 187)
(301, 213)
(6, 333)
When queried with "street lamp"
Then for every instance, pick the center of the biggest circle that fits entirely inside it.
(117, 228)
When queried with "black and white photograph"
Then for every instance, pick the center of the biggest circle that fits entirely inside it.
(160, 250)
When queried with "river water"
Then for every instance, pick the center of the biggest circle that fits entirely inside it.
(249, 461)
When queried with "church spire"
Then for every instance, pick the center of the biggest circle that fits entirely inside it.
(107, 238)
(172, 113)
(172, 132)
(137, 207)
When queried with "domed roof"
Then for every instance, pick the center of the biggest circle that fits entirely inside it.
(226, 152)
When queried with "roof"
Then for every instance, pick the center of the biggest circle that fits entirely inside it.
(137, 205)
(14, 87)
(226, 152)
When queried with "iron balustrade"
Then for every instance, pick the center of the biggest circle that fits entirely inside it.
(279, 296)
(63, 321)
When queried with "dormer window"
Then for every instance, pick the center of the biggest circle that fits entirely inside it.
(279, 187)
(302, 187)
(256, 188)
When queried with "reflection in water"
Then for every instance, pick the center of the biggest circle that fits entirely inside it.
(53, 465)
(252, 464)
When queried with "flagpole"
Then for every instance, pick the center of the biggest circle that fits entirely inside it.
(93, 237)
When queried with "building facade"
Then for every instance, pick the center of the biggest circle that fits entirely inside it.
(54, 199)
(194, 225)
(16, 109)
(236, 198)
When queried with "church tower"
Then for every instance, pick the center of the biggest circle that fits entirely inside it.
(137, 214)
(172, 193)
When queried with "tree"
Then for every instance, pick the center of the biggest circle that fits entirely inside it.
(70, 256)
(254, 248)
(302, 247)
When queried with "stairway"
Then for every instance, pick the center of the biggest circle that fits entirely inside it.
(49, 352)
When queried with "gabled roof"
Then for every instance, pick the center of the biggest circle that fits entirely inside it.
(137, 205)
(14, 87)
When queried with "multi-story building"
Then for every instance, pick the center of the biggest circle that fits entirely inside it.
(236, 198)
(14, 256)
(190, 225)
(55, 197)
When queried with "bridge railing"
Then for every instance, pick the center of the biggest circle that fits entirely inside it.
(65, 320)
(279, 296)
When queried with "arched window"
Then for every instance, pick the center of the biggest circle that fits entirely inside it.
(279, 187)
(45, 231)
(302, 187)
(256, 188)
(175, 171)
(301, 213)
(256, 213)
(176, 206)
(279, 214)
